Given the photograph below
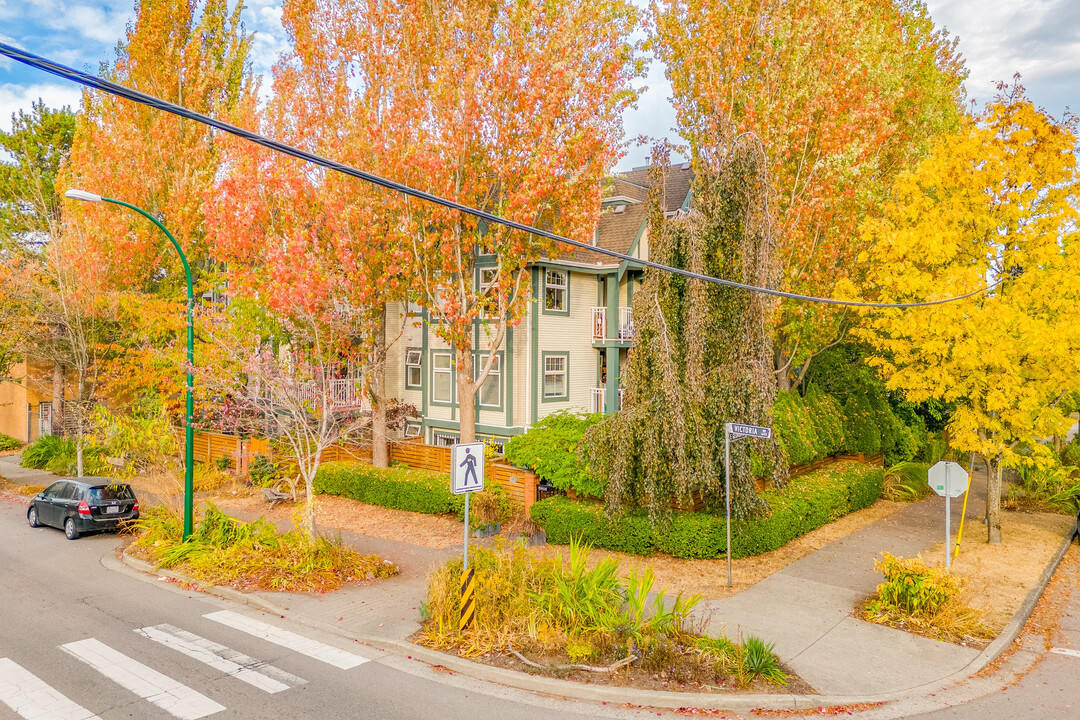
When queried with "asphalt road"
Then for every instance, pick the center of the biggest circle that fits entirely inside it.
(70, 627)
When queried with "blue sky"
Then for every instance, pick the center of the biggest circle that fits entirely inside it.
(1038, 38)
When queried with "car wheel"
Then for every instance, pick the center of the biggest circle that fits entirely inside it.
(69, 529)
(32, 517)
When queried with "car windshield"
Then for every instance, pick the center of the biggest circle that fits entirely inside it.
(110, 493)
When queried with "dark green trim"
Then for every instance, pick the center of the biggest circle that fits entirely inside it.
(421, 385)
(611, 388)
(508, 371)
(599, 367)
(453, 378)
(566, 303)
(485, 429)
(600, 290)
(543, 371)
(534, 342)
(581, 269)
(629, 291)
(478, 356)
(424, 395)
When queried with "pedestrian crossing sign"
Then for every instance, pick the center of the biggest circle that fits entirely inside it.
(467, 467)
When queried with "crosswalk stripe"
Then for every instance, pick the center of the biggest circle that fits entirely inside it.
(306, 646)
(1065, 651)
(168, 694)
(26, 694)
(242, 667)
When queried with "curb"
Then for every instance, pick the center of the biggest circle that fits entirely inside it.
(621, 695)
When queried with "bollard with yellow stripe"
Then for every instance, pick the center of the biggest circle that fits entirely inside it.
(468, 608)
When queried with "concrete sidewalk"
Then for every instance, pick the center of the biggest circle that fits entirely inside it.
(10, 469)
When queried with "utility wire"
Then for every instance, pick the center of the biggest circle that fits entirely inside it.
(82, 78)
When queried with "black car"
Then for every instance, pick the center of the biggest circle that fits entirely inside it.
(81, 505)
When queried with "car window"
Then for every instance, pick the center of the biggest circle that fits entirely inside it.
(109, 493)
(55, 489)
(70, 491)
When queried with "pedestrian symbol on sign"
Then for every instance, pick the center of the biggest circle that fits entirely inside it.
(469, 463)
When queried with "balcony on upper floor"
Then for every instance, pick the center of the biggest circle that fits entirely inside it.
(599, 323)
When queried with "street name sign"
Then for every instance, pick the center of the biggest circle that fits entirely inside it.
(467, 467)
(754, 431)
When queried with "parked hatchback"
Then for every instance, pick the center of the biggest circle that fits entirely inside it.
(82, 505)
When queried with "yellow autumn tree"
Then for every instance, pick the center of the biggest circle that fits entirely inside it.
(995, 204)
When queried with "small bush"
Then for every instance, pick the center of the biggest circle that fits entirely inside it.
(37, 455)
(262, 471)
(924, 599)
(8, 443)
(906, 481)
(550, 449)
(807, 503)
(1044, 486)
(1071, 454)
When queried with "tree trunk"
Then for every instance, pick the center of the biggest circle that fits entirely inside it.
(783, 376)
(380, 450)
(993, 501)
(58, 399)
(466, 390)
(79, 408)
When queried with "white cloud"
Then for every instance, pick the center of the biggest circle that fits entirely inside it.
(20, 97)
(93, 23)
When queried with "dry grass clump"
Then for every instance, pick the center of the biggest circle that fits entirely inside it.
(568, 616)
(253, 556)
(924, 600)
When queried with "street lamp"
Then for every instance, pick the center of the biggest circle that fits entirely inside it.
(189, 437)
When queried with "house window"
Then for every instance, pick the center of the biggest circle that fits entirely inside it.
(555, 377)
(443, 439)
(555, 291)
(412, 429)
(487, 279)
(413, 368)
(442, 384)
(491, 390)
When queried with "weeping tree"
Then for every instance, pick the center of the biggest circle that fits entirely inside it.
(702, 353)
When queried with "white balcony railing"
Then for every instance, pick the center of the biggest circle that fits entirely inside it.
(597, 404)
(599, 323)
(626, 323)
(343, 393)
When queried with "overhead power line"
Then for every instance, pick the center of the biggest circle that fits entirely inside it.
(112, 88)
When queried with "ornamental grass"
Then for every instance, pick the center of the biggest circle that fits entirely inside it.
(252, 555)
(561, 616)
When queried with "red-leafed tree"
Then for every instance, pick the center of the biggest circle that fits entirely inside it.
(844, 95)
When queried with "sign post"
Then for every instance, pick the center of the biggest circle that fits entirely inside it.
(948, 479)
(735, 430)
(466, 476)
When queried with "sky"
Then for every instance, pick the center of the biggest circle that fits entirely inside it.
(1040, 39)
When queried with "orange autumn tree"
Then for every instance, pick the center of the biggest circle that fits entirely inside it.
(193, 53)
(522, 117)
(843, 95)
(339, 92)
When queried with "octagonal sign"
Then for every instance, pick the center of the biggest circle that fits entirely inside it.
(948, 479)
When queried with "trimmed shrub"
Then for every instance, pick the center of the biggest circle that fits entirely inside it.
(8, 443)
(806, 503)
(400, 488)
(862, 433)
(794, 428)
(550, 449)
(1071, 454)
(827, 415)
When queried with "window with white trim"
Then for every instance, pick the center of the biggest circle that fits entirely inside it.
(442, 379)
(555, 290)
(413, 368)
(555, 377)
(444, 439)
(412, 429)
(491, 390)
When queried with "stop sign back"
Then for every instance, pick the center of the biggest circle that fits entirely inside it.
(948, 479)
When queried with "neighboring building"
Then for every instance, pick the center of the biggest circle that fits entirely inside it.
(568, 351)
(26, 405)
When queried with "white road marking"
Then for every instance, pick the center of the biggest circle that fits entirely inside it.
(26, 694)
(229, 661)
(1065, 651)
(169, 695)
(306, 646)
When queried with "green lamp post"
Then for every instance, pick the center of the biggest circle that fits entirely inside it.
(189, 436)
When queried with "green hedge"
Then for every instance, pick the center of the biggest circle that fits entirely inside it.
(400, 488)
(809, 428)
(807, 503)
(8, 443)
